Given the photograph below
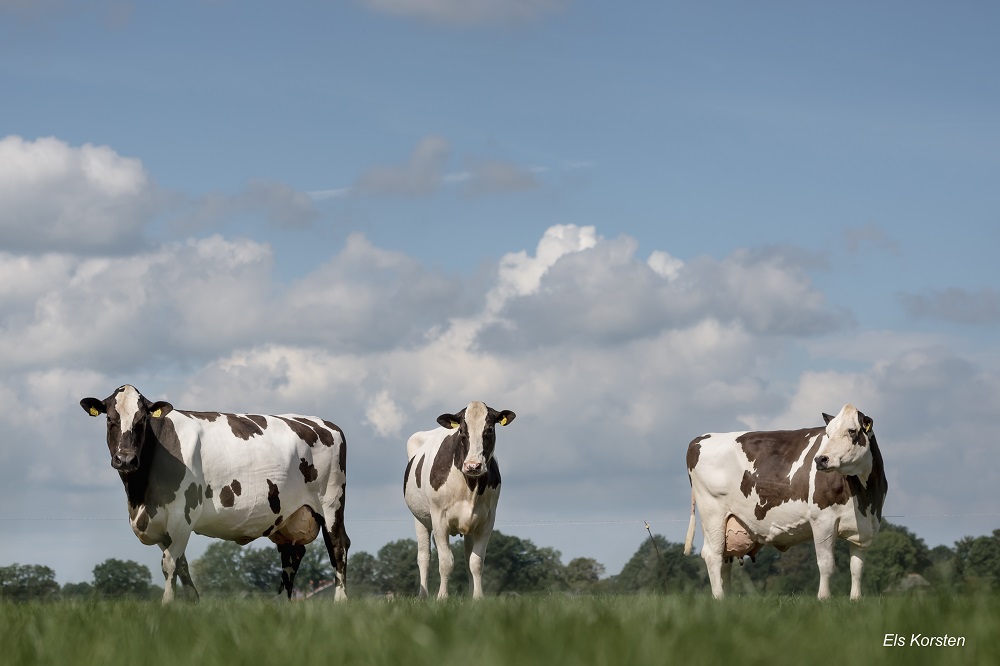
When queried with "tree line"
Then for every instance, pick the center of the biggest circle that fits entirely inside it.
(898, 562)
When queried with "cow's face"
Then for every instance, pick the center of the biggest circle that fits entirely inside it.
(128, 415)
(477, 427)
(846, 447)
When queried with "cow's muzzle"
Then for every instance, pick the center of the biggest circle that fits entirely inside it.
(473, 469)
(125, 462)
(823, 463)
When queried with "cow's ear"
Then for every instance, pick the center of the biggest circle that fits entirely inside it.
(866, 423)
(93, 406)
(827, 418)
(160, 409)
(450, 421)
(505, 417)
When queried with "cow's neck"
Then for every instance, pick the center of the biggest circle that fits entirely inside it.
(137, 482)
(870, 488)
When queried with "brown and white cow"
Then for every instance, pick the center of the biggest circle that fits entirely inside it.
(452, 485)
(785, 487)
(230, 476)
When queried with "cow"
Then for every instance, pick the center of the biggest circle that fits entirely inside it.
(451, 485)
(236, 477)
(784, 487)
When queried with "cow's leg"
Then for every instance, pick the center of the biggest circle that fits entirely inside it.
(824, 541)
(726, 573)
(711, 551)
(857, 567)
(181, 570)
(337, 542)
(291, 558)
(475, 554)
(173, 563)
(446, 561)
(423, 553)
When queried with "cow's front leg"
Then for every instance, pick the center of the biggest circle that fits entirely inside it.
(423, 553)
(446, 561)
(857, 567)
(173, 564)
(181, 570)
(475, 554)
(824, 559)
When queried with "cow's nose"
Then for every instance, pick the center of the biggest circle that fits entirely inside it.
(473, 467)
(822, 462)
(123, 461)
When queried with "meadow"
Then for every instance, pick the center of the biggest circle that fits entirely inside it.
(507, 630)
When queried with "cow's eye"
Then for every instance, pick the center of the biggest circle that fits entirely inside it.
(853, 432)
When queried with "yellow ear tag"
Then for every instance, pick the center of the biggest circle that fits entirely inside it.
(454, 424)
(157, 414)
(868, 427)
(503, 421)
(94, 412)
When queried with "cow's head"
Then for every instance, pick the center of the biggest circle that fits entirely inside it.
(846, 447)
(476, 425)
(128, 413)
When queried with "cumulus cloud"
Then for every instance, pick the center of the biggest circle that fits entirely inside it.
(612, 360)
(58, 198)
(603, 293)
(468, 12)
(955, 305)
(421, 175)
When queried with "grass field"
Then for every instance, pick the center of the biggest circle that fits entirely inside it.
(509, 631)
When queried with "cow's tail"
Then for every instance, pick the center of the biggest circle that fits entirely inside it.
(689, 539)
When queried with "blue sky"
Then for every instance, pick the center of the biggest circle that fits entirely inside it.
(629, 227)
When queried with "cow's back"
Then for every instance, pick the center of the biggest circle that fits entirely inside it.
(246, 473)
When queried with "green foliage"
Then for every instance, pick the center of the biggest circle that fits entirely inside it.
(977, 560)
(220, 569)
(896, 552)
(670, 571)
(526, 630)
(23, 582)
(583, 576)
(228, 569)
(77, 591)
(519, 566)
(116, 579)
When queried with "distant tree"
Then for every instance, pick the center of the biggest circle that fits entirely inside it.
(397, 568)
(978, 561)
(315, 567)
(363, 575)
(942, 573)
(83, 590)
(219, 571)
(517, 565)
(895, 553)
(261, 569)
(583, 575)
(671, 572)
(116, 578)
(21, 582)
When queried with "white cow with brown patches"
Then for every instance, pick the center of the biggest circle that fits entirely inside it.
(452, 485)
(230, 476)
(786, 487)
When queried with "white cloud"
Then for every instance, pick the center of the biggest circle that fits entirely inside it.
(613, 363)
(59, 198)
(468, 12)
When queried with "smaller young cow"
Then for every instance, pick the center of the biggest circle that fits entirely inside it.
(452, 484)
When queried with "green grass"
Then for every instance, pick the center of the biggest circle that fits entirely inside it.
(515, 631)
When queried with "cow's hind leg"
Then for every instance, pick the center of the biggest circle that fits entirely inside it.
(291, 558)
(423, 553)
(337, 544)
(711, 551)
(857, 567)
